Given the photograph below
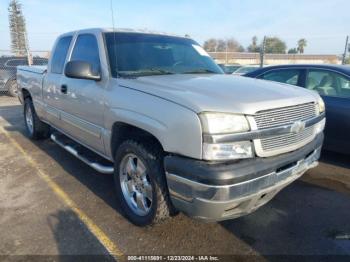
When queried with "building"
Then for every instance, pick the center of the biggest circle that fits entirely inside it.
(272, 59)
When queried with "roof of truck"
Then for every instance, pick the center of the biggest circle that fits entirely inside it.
(121, 30)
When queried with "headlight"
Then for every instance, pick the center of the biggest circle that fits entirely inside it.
(221, 123)
(229, 151)
(321, 106)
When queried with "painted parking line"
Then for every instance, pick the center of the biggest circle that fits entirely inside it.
(110, 246)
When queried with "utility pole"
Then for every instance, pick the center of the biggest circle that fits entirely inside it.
(346, 49)
(262, 52)
(226, 53)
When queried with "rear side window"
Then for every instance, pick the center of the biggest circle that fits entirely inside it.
(283, 76)
(59, 55)
(86, 49)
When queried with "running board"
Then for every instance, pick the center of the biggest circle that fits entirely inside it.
(78, 151)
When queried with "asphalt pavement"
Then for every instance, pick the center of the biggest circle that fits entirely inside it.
(53, 204)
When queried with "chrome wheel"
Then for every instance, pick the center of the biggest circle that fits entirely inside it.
(135, 184)
(29, 120)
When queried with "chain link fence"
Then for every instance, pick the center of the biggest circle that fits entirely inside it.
(8, 67)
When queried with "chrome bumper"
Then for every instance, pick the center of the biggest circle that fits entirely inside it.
(221, 202)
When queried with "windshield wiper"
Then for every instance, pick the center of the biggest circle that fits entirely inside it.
(161, 71)
(146, 72)
(200, 71)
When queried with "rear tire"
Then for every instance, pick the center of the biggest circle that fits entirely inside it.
(13, 88)
(139, 174)
(36, 129)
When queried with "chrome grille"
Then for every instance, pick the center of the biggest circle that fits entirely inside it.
(275, 145)
(284, 116)
(291, 139)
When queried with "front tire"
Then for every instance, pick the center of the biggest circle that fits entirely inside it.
(140, 183)
(36, 129)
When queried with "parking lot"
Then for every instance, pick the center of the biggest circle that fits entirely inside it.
(51, 203)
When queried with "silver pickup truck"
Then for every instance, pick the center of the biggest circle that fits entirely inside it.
(155, 111)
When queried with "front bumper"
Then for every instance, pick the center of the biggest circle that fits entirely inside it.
(220, 191)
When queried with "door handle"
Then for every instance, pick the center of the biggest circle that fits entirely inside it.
(64, 89)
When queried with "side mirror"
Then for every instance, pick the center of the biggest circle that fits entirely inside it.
(81, 70)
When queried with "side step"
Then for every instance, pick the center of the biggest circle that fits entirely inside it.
(90, 158)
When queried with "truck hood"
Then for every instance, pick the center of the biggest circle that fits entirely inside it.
(221, 93)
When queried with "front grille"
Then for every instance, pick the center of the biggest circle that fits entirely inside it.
(285, 115)
(287, 140)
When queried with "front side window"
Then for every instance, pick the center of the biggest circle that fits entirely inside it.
(283, 76)
(60, 54)
(86, 49)
(328, 83)
(137, 54)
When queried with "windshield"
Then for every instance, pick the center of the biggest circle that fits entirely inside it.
(137, 54)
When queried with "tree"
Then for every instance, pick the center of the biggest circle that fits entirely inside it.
(274, 45)
(347, 61)
(253, 47)
(302, 43)
(234, 46)
(221, 45)
(210, 45)
(292, 51)
(17, 28)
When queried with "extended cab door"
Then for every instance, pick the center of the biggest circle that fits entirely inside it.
(83, 101)
(52, 93)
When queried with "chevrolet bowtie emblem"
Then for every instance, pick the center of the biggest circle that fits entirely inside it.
(297, 127)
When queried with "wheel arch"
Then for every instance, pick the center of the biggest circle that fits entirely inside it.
(122, 131)
(24, 94)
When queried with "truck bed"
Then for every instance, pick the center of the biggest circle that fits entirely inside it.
(31, 78)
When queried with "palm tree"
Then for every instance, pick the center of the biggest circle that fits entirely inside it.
(17, 28)
(302, 43)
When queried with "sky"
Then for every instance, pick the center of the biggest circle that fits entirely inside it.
(324, 24)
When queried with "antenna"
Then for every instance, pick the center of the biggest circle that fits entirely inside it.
(114, 36)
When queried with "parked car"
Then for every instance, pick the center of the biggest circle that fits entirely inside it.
(229, 68)
(332, 82)
(8, 65)
(245, 69)
(156, 111)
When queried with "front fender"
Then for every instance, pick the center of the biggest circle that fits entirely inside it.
(177, 128)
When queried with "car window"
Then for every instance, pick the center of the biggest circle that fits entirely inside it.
(59, 55)
(86, 49)
(245, 69)
(16, 62)
(287, 76)
(328, 83)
